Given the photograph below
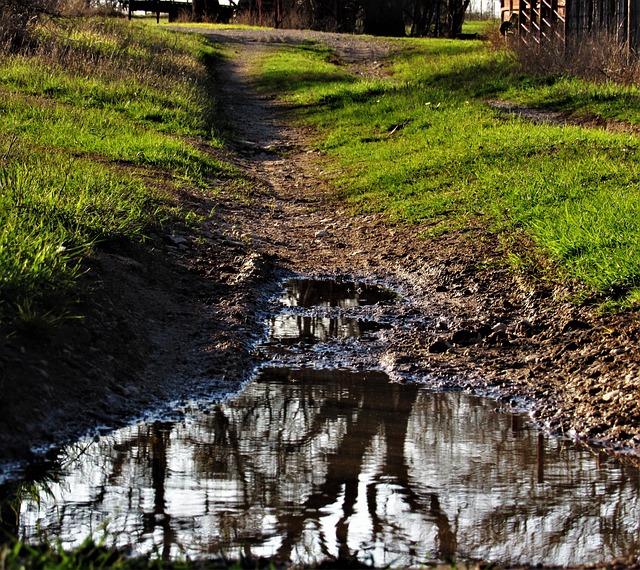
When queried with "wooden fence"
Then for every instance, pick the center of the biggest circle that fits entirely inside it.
(157, 7)
(204, 10)
(544, 20)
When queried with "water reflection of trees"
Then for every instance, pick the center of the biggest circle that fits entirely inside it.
(311, 464)
(293, 329)
(329, 293)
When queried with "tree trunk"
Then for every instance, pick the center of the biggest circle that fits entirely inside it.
(384, 18)
(457, 9)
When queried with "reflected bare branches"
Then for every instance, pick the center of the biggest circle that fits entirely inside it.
(314, 465)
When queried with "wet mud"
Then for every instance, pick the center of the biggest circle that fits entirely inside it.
(308, 466)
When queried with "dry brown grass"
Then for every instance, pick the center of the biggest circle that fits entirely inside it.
(18, 20)
(21, 20)
(292, 17)
(597, 57)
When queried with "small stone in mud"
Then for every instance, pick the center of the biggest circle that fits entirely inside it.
(439, 346)
(574, 325)
(322, 234)
(524, 327)
(178, 240)
(465, 337)
(610, 395)
(499, 328)
(498, 338)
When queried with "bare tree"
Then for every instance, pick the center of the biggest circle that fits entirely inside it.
(436, 18)
(456, 10)
(376, 17)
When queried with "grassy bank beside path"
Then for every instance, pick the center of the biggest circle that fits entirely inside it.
(423, 146)
(99, 123)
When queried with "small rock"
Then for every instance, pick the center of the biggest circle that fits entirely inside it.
(574, 325)
(178, 240)
(465, 337)
(42, 372)
(524, 327)
(498, 338)
(439, 346)
(322, 234)
(610, 395)
(499, 328)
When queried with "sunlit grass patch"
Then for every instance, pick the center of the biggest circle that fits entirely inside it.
(423, 147)
(53, 209)
(171, 92)
(303, 73)
(89, 117)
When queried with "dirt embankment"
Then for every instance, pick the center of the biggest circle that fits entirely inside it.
(180, 321)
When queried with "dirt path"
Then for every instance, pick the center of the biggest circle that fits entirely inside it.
(469, 322)
(181, 321)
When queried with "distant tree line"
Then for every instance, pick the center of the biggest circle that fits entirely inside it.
(396, 18)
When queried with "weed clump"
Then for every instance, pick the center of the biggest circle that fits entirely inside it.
(19, 20)
(597, 57)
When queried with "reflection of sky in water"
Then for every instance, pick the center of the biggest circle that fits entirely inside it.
(313, 464)
(297, 328)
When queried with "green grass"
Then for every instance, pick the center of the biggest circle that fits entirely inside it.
(424, 147)
(302, 73)
(20, 556)
(88, 120)
(210, 26)
(479, 27)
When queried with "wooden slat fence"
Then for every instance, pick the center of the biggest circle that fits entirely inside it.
(157, 7)
(544, 20)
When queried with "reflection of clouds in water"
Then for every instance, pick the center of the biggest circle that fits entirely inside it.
(310, 464)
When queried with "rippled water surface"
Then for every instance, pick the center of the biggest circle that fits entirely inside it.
(311, 465)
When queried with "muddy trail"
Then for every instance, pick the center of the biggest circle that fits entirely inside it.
(466, 321)
(184, 320)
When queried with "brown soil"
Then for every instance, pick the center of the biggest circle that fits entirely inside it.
(180, 321)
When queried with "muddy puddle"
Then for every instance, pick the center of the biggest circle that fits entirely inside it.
(310, 464)
(317, 311)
